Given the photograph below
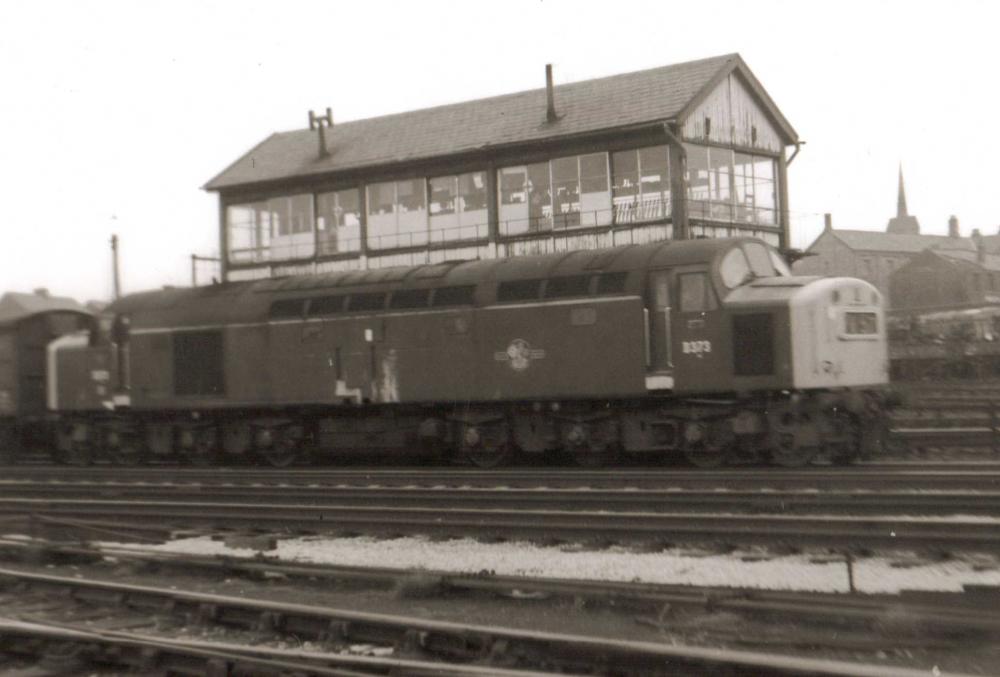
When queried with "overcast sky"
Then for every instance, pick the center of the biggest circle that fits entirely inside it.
(114, 114)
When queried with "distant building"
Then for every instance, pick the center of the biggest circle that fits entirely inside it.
(874, 256)
(695, 149)
(16, 306)
(944, 279)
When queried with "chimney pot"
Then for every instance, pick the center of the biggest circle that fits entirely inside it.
(828, 221)
(953, 226)
(550, 97)
(43, 292)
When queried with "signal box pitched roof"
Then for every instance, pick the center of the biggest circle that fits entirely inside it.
(591, 106)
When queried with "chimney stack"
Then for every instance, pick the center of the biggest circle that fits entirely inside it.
(953, 226)
(42, 292)
(977, 240)
(827, 221)
(550, 97)
(321, 122)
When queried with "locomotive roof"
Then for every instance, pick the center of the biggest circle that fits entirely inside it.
(249, 301)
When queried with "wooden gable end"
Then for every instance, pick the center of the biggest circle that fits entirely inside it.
(736, 118)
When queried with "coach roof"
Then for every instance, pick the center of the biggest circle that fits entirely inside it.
(590, 106)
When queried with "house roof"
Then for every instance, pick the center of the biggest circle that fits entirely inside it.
(15, 306)
(878, 241)
(990, 262)
(618, 101)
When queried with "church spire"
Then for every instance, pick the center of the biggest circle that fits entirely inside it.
(901, 202)
(902, 223)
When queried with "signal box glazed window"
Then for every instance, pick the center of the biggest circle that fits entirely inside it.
(397, 214)
(729, 186)
(457, 207)
(198, 368)
(566, 192)
(274, 229)
(338, 221)
(640, 184)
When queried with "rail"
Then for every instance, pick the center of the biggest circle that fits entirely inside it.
(470, 644)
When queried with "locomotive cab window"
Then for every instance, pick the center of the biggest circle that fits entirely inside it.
(734, 268)
(695, 293)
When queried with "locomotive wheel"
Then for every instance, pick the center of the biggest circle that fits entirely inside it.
(796, 440)
(80, 454)
(284, 451)
(585, 457)
(285, 447)
(848, 449)
(130, 451)
(204, 449)
(8, 442)
(794, 457)
(489, 456)
(706, 456)
(708, 444)
(487, 446)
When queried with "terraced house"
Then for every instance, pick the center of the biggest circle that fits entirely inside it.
(696, 149)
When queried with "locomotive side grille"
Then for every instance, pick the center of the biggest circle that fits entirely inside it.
(753, 344)
(198, 363)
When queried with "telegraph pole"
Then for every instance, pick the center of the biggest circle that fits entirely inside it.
(114, 267)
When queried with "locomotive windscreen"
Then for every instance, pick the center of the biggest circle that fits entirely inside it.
(753, 344)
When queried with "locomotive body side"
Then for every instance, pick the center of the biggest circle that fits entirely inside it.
(704, 347)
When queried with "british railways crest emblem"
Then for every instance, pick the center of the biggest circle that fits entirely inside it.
(519, 355)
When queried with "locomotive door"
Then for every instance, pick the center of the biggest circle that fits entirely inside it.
(659, 358)
(700, 358)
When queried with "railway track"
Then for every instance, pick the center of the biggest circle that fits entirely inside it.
(415, 645)
(951, 614)
(881, 477)
(759, 501)
(956, 534)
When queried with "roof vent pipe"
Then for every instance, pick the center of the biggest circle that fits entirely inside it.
(321, 122)
(550, 97)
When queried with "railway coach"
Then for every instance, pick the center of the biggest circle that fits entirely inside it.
(709, 349)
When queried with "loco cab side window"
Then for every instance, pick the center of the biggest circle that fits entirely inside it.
(695, 293)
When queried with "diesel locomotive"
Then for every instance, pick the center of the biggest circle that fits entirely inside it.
(709, 350)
